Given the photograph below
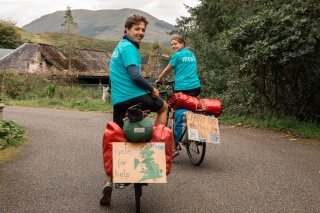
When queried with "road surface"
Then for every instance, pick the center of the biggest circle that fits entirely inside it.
(60, 169)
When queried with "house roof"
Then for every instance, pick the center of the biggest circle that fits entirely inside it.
(82, 60)
(19, 58)
(85, 62)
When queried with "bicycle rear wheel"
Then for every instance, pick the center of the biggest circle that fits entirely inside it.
(137, 195)
(196, 151)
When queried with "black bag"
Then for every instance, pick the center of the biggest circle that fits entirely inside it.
(134, 113)
(137, 128)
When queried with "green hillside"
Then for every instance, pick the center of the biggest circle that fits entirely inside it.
(82, 42)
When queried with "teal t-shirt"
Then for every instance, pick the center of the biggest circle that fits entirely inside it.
(122, 87)
(185, 70)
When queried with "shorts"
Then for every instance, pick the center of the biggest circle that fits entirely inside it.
(192, 92)
(147, 103)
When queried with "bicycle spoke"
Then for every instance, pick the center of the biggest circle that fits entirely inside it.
(195, 151)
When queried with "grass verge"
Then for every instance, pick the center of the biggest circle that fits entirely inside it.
(289, 125)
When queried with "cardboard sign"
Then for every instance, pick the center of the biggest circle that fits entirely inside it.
(139, 162)
(202, 128)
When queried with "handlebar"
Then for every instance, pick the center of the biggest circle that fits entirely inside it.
(165, 88)
(166, 82)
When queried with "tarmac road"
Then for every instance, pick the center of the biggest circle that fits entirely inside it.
(60, 170)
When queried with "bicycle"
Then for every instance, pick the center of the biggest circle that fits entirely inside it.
(196, 150)
(137, 115)
(137, 186)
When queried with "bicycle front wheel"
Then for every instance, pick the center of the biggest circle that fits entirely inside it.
(196, 151)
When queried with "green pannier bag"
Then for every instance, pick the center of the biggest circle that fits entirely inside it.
(138, 131)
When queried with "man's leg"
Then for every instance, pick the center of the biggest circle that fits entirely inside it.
(161, 117)
(118, 114)
(106, 192)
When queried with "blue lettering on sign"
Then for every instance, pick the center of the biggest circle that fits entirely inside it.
(159, 146)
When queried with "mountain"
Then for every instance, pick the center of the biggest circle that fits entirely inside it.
(102, 24)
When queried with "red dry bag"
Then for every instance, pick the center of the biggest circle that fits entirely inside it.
(182, 101)
(114, 133)
(212, 106)
(161, 133)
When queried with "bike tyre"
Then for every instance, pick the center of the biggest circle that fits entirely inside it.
(137, 195)
(196, 152)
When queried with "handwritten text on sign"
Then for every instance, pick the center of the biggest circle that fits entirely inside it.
(202, 128)
(139, 162)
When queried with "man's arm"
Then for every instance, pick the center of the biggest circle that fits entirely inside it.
(140, 81)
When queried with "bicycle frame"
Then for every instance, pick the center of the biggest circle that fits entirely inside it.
(196, 150)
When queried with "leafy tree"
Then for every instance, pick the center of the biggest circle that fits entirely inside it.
(212, 17)
(199, 30)
(9, 36)
(279, 55)
(71, 28)
(269, 60)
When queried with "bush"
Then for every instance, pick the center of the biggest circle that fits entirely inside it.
(11, 134)
(27, 86)
(9, 36)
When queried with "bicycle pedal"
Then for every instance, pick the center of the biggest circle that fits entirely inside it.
(122, 185)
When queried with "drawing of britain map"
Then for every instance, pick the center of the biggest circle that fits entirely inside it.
(150, 168)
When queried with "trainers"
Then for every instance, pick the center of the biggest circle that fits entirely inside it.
(106, 194)
(175, 153)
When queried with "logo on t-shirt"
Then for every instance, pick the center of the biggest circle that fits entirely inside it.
(185, 59)
(115, 55)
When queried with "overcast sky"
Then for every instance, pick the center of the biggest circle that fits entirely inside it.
(25, 11)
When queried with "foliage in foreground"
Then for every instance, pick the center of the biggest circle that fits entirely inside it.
(278, 54)
(258, 56)
(11, 134)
